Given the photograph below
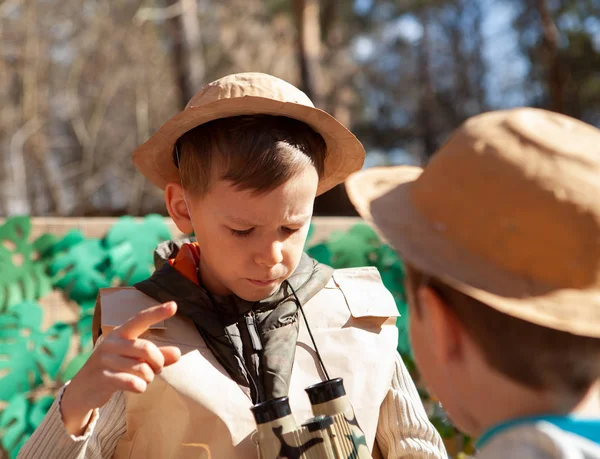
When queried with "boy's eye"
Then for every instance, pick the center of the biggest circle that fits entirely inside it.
(241, 233)
(290, 230)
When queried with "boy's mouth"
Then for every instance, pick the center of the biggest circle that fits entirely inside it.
(262, 283)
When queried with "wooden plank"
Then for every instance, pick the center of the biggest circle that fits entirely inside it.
(97, 227)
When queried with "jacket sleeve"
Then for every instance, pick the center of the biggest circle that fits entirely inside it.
(51, 440)
(404, 431)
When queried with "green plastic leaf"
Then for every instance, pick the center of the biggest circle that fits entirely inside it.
(84, 324)
(74, 366)
(441, 422)
(388, 258)
(45, 244)
(14, 425)
(87, 306)
(21, 277)
(321, 253)
(69, 240)
(354, 248)
(27, 353)
(81, 267)
(311, 232)
(19, 420)
(404, 347)
(84, 329)
(39, 410)
(131, 246)
(365, 232)
(349, 251)
(393, 279)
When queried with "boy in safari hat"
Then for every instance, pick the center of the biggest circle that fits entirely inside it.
(501, 236)
(240, 167)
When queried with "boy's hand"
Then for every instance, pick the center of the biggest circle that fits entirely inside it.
(122, 361)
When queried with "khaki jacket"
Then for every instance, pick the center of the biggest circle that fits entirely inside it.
(194, 410)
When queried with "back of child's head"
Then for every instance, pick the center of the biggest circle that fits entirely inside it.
(534, 356)
(253, 152)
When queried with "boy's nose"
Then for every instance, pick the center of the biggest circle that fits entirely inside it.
(270, 255)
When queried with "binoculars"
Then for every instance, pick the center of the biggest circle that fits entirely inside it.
(333, 432)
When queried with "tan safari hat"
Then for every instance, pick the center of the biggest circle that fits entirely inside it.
(250, 94)
(507, 212)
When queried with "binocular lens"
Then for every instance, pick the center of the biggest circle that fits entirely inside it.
(271, 410)
(326, 391)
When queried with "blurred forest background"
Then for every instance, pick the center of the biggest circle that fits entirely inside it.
(82, 82)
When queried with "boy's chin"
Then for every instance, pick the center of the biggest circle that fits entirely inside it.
(254, 293)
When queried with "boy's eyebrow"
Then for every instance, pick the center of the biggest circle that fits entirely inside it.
(295, 220)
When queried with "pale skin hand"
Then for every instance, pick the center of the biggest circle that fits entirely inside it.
(122, 361)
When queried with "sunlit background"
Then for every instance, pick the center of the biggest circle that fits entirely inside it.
(82, 82)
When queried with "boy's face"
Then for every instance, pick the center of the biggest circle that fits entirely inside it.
(249, 243)
(446, 359)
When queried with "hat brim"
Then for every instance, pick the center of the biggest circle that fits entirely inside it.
(345, 153)
(382, 196)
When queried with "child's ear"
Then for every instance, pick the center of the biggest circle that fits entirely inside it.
(177, 207)
(447, 332)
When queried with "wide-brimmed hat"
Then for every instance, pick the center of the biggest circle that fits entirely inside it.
(250, 94)
(507, 212)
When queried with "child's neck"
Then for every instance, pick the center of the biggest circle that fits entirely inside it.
(512, 401)
(589, 405)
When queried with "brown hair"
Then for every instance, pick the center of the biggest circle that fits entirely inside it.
(532, 355)
(254, 152)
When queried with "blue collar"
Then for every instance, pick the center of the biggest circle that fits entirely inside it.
(586, 428)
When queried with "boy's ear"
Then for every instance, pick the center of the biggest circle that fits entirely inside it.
(447, 339)
(177, 207)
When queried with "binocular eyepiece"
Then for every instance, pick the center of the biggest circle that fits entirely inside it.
(333, 432)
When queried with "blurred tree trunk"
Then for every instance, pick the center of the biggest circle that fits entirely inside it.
(187, 53)
(556, 78)
(479, 66)
(18, 191)
(308, 45)
(463, 24)
(427, 101)
(309, 48)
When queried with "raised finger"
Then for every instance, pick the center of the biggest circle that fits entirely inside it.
(143, 320)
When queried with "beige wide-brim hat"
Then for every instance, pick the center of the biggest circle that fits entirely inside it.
(250, 94)
(507, 212)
